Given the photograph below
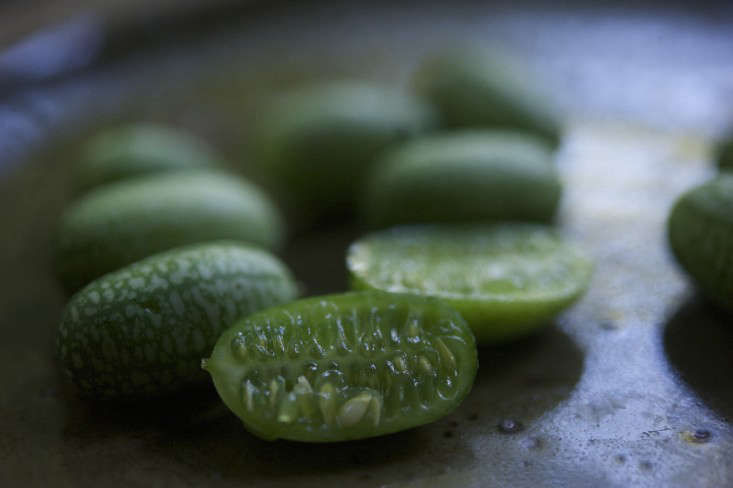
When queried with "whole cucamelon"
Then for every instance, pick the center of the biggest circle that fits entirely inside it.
(724, 153)
(506, 280)
(118, 224)
(318, 141)
(340, 367)
(143, 330)
(464, 176)
(700, 230)
(484, 88)
(139, 149)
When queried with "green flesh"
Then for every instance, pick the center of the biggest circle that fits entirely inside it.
(136, 150)
(505, 280)
(700, 230)
(342, 367)
(317, 142)
(120, 223)
(143, 330)
(464, 176)
(487, 89)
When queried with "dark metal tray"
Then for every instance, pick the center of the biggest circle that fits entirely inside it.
(632, 387)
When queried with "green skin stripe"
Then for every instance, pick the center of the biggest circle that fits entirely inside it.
(700, 230)
(342, 367)
(142, 330)
(121, 223)
(506, 280)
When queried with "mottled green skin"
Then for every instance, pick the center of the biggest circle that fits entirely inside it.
(143, 330)
(462, 177)
(120, 223)
(724, 154)
(317, 142)
(473, 88)
(341, 346)
(506, 280)
(136, 150)
(700, 231)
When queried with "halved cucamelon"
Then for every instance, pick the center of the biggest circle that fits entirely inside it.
(143, 329)
(340, 367)
(505, 280)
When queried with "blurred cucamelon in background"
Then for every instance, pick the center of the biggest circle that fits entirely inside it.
(139, 149)
(461, 176)
(474, 87)
(118, 224)
(318, 142)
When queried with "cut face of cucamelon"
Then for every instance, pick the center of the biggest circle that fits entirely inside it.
(142, 330)
(700, 230)
(342, 367)
(506, 280)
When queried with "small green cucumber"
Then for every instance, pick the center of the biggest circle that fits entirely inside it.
(136, 150)
(724, 153)
(143, 330)
(700, 230)
(477, 88)
(341, 367)
(318, 141)
(464, 176)
(120, 223)
(506, 280)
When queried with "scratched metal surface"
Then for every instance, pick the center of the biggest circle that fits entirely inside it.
(632, 387)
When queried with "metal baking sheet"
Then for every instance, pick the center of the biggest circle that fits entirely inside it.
(632, 387)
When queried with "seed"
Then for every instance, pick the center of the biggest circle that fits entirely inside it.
(401, 365)
(249, 392)
(239, 347)
(354, 410)
(288, 409)
(274, 390)
(304, 395)
(375, 410)
(327, 402)
(447, 358)
(425, 366)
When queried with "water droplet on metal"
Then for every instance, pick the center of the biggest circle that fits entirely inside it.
(510, 426)
(701, 435)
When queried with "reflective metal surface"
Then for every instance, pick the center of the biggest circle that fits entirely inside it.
(632, 387)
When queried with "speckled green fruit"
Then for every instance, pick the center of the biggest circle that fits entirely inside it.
(139, 149)
(477, 88)
(724, 154)
(506, 280)
(700, 230)
(464, 176)
(120, 223)
(317, 142)
(143, 330)
(341, 367)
